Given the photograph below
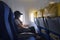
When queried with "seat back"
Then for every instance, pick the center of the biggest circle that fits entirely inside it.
(40, 22)
(53, 24)
(6, 23)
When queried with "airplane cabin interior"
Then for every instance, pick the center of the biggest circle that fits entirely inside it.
(29, 19)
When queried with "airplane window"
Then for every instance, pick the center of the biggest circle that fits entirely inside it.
(32, 17)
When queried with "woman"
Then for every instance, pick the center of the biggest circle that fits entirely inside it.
(19, 23)
(21, 27)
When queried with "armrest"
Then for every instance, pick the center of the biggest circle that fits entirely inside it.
(27, 33)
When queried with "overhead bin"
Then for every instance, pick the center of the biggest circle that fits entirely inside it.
(52, 10)
(58, 7)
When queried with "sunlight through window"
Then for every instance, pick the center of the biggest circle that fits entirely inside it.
(21, 18)
(32, 17)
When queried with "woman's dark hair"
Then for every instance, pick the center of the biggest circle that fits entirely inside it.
(17, 13)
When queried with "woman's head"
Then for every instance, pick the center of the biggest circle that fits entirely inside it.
(17, 14)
